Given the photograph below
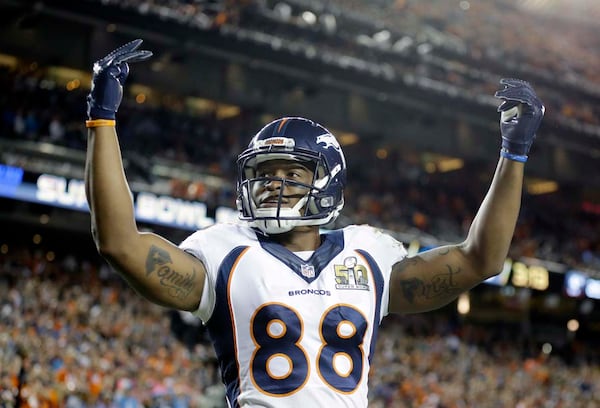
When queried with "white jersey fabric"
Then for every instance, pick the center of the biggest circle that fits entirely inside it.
(290, 332)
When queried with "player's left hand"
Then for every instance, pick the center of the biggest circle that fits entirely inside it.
(109, 77)
(521, 114)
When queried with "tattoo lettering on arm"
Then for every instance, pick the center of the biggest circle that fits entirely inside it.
(441, 285)
(178, 284)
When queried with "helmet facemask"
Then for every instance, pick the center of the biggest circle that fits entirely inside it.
(313, 207)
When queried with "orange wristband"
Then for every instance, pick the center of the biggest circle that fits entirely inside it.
(100, 122)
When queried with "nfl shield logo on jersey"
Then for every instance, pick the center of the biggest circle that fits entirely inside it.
(308, 271)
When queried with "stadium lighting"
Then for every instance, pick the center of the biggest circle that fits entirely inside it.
(382, 36)
(309, 17)
(464, 304)
(573, 325)
(547, 348)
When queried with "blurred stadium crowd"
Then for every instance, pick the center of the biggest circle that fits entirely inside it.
(394, 39)
(71, 334)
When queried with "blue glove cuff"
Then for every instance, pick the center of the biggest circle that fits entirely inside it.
(511, 156)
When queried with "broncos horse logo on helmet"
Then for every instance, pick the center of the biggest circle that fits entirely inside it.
(296, 139)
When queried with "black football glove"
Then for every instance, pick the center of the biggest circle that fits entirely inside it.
(109, 77)
(521, 115)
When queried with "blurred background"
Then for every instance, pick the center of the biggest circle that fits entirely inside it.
(407, 86)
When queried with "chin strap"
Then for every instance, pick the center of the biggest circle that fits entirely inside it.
(278, 226)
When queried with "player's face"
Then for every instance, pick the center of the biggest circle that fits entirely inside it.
(295, 178)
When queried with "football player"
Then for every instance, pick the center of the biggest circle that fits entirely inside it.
(293, 311)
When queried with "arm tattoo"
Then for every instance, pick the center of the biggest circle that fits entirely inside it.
(441, 285)
(178, 284)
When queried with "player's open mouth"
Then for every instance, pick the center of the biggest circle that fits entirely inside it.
(273, 201)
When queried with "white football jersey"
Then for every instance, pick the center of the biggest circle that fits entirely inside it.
(290, 332)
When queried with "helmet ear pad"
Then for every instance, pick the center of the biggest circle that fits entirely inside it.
(301, 140)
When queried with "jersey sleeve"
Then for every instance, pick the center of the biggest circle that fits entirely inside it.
(387, 251)
(199, 244)
(211, 246)
(393, 251)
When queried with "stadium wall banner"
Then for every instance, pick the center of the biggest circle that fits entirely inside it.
(152, 208)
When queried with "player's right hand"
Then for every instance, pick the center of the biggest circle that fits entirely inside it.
(109, 77)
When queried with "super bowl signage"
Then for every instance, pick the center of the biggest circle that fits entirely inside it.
(152, 208)
(171, 211)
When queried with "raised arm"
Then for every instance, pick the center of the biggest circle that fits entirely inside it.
(434, 278)
(153, 266)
